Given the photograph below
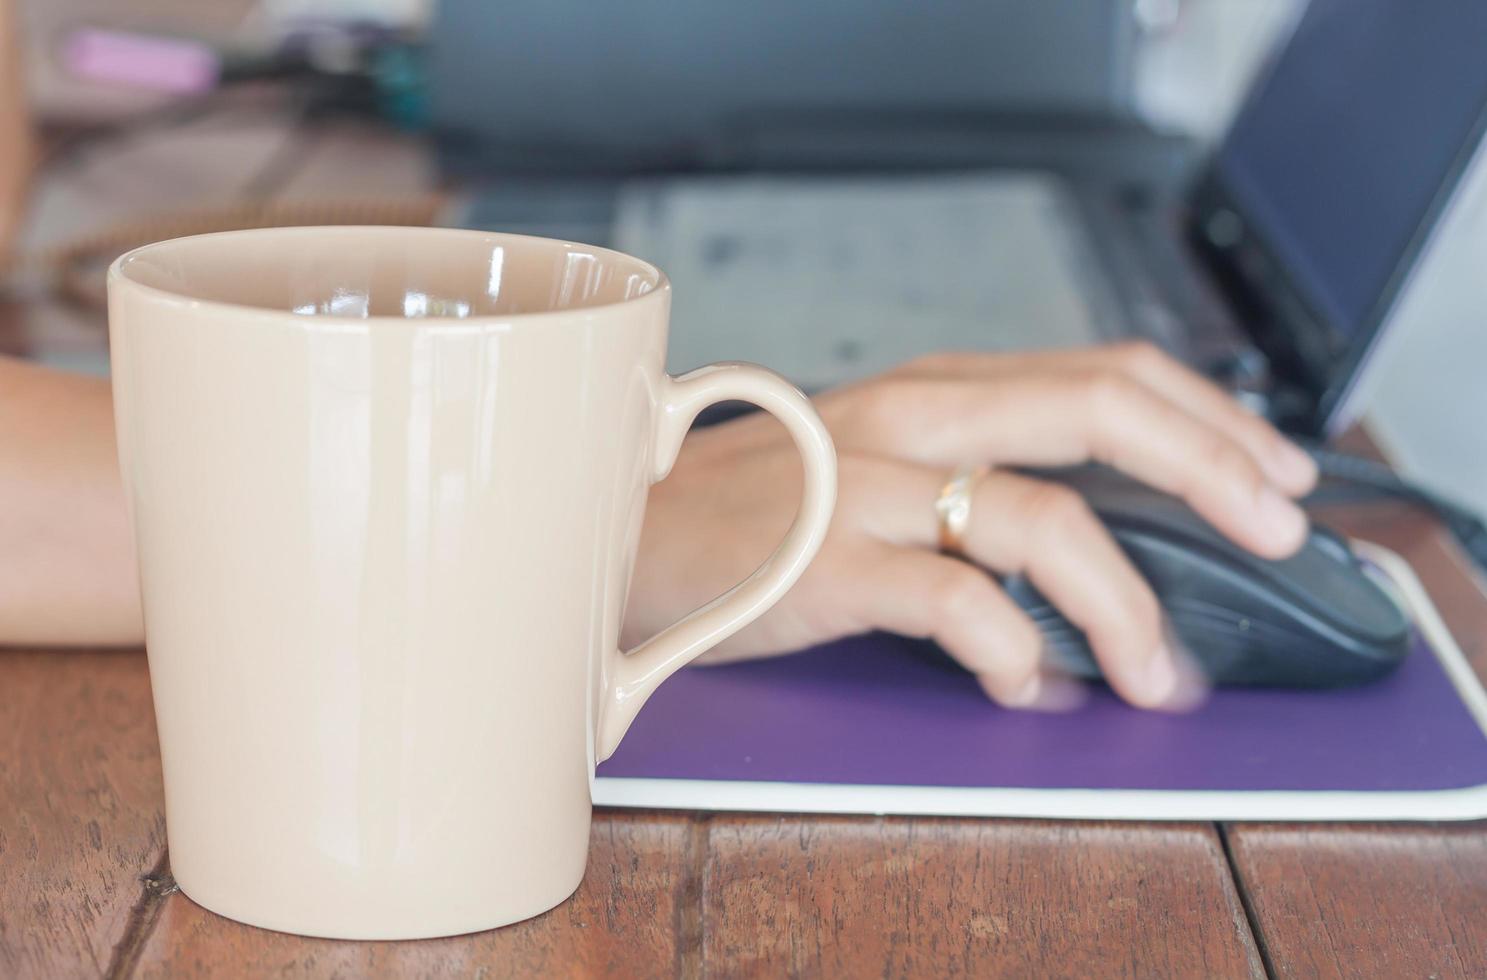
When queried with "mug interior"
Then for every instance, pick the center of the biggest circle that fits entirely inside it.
(360, 272)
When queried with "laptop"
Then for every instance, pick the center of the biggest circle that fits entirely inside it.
(1272, 263)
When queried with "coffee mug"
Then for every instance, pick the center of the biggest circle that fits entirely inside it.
(386, 487)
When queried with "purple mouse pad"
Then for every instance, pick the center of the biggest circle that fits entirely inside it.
(880, 717)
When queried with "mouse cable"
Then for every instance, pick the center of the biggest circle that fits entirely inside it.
(1348, 478)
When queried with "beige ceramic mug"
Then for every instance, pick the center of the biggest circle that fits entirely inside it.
(387, 486)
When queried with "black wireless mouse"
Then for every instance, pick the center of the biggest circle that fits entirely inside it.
(1314, 620)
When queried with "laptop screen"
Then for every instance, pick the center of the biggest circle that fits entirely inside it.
(1337, 160)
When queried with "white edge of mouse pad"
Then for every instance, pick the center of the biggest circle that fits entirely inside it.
(1466, 803)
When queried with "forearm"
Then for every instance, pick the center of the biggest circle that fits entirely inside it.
(67, 572)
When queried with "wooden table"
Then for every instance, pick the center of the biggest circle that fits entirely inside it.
(85, 886)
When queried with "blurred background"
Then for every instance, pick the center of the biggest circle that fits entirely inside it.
(126, 121)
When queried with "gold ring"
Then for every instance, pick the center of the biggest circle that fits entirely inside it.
(953, 507)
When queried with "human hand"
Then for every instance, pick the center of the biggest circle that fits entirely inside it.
(734, 489)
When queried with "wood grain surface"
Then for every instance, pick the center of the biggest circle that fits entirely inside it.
(1367, 901)
(624, 921)
(80, 808)
(850, 897)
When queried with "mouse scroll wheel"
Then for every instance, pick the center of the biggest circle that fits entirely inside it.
(1333, 544)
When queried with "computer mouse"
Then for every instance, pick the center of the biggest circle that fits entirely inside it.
(1315, 620)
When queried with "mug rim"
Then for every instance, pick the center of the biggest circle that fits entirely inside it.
(117, 275)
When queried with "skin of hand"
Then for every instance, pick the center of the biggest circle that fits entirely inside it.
(68, 578)
(734, 488)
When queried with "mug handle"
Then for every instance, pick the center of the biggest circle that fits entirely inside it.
(632, 677)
